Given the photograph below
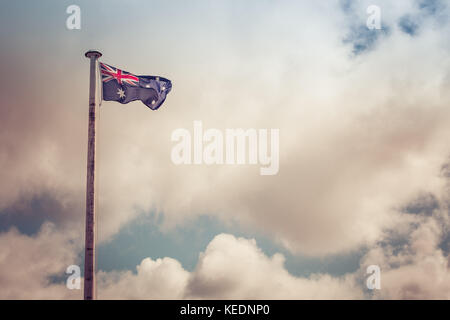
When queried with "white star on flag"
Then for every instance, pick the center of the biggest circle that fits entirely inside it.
(121, 93)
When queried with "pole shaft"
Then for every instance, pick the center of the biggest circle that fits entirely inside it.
(89, 255)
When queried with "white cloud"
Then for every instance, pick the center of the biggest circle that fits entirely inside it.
(230, 268)
(27, 264)
(161, 279)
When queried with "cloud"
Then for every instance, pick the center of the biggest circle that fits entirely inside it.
(408, 25)
(432, 6)
(413, 261)
(27, 264)
(234, 268)
(417, 267)
(230, 268)
(161, 279)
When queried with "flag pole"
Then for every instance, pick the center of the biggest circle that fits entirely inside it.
(89, 251)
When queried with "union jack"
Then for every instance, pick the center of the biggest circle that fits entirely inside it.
(110, 73)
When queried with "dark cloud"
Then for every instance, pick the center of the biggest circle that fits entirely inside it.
(431, 7)
(424, 204)
(409, 25)
(347, 5)
(29, 213)
(364, 39)
(445, 242)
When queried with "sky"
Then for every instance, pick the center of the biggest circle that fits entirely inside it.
(364, 168)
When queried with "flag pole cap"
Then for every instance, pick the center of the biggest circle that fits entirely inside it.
(93, 53)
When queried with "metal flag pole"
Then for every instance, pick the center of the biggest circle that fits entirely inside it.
(89, 251)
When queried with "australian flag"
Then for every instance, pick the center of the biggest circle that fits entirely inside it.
(124, 87)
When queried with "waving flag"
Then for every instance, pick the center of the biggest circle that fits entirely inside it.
(124, 87)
